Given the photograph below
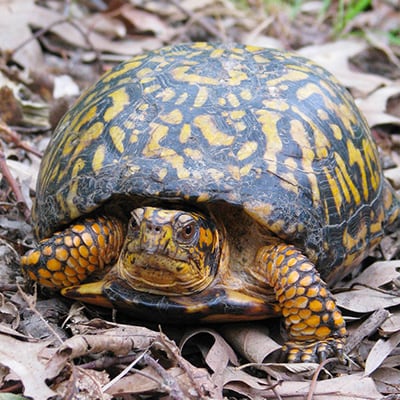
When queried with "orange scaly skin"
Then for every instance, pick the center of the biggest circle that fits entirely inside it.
(314, 324)
(70, 256)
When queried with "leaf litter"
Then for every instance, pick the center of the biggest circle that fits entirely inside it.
(51, 51)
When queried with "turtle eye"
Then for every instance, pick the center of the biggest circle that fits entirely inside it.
(187, 232)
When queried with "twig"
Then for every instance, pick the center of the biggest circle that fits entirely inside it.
(314, 380)
(208, 27)
(16, 139)
(175, 392)
(124, 372)
(15, 187)
(368, 327)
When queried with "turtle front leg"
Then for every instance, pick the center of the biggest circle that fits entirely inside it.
(314, 324)
(70, 256)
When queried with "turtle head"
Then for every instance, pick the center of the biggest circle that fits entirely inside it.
(169, 252)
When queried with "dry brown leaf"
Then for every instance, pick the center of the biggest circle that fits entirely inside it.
(334, 57)
(350, 387)
(232, 374)
(23, 359)
(387, 380)
(381, 349)
(377, 274)
(374, 106)
(139, 383)
(105, 24)
(148, 381)
(392, 324)
(15, 18)
(85, 384)
(117, 338)
(287, 371)
(217, 357)
(365, 300)
(144, 21)
(251, 341)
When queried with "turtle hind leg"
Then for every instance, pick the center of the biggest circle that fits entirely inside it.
(314, 324)
(70, 256)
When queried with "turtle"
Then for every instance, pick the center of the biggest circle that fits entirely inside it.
(208, 182)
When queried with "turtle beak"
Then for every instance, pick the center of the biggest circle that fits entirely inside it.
(92, 293)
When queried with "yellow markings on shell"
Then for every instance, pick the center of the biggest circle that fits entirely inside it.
(237, 114)
(337, 132)
(185, 133)
(233, 100)
(175, 117)
(246, 169)
(211, 133)
(194, 154)
(181, 74)
(236, 77)
(134, 136)
(307, 90)
(355, 157)
(151, 88)
(78, 166)
(162, 173)
(268, 121)
(181, 99)
(290, 76)
(117, 136)
(342, 169)
(322, 114)
(247, 150)
(120, 99)
(336, 193)
(167, 94)
(201, 97)
(221, 101)
(177, 162)
(158, 132)
(372, 162)
(145, 74)
(88, 116)
(322, 143)
(126, 68)
(352, 242)
(217, 53)
(245, 94)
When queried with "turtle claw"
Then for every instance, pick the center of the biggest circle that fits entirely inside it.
(315, 352)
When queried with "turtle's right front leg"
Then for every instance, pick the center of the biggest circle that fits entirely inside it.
(70, 256)
(314, 324)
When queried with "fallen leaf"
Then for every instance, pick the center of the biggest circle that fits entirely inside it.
(381, 349)
(32, 372)
(374, 106)
(392, 324)
(387, 380)
(335, 58)
(365, 300)
(349, 387)
(377, 274)
(15, 18)
(217, 357)
(251, 340)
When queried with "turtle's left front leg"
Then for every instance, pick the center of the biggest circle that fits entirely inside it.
(314, 324)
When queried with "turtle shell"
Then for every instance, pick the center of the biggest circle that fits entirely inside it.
(213, 124)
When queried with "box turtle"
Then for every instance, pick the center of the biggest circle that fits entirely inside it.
(212, 182)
